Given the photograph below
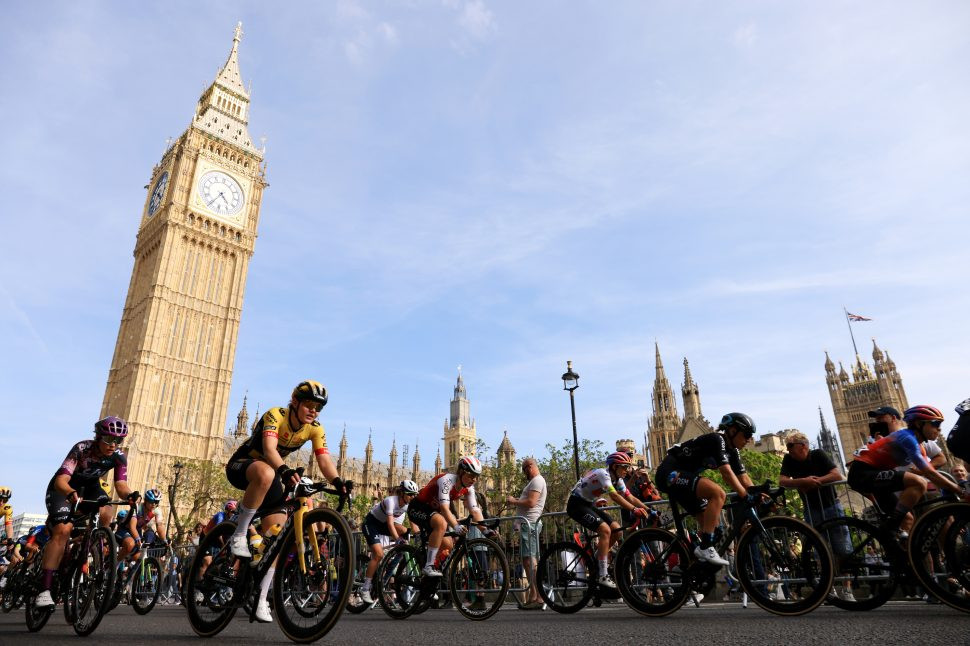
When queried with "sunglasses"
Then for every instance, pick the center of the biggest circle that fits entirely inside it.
(314, 406)
(937, 423)
(110, 439)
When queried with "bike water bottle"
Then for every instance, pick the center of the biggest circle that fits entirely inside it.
(256, 547)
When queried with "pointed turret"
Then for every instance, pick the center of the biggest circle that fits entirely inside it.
(828, 442)
(416, 465)
(242, 420)
(692, 395)
(392, 466)
(223, 109)
(437, 461)
(665, 423)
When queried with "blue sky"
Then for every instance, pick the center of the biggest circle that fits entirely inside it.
(506, 186)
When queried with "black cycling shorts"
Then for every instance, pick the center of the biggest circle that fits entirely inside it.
(881, 483)
(680, 486)
(420, 514)
(59, 510)
(373, 529)
(586, 513)
(236, 473)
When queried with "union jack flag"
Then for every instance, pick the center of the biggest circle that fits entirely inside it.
(855, 318)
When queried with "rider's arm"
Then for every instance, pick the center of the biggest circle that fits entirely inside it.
(132, 522)
(61, 483)
(389, 512)
(327, 468)
(942, 482)
(121, 486)
(270, 454)
(732, 480)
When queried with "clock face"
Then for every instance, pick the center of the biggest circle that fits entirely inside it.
(158, 193)
(220, 193)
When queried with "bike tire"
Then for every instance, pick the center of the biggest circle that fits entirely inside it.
(650, 571)
(398, 581)
(146, 585)
(806, 571)
(478, 578)
(867, 571)
(325, 582)
(214, 606)
(92, 582)
(562, 585)
(943, 529)
(354, 604)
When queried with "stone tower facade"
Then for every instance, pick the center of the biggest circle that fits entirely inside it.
(828, 443)
(242, 421)
(172, 366)
(392, 479)
(460, 435)
(868, 389)
(664, 426)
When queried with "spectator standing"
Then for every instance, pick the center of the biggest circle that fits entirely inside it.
(529, 505)
(809, 470)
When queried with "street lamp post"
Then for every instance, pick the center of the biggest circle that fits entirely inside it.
(570, 382)
(172, 489)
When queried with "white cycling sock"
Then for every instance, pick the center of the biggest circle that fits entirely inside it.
(264, 584)
(604, 567)
(242, 522)
(432, 554)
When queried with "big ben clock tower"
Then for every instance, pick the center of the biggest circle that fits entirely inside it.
(172, 365)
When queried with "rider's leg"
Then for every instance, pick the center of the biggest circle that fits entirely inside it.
(914, 488)
(603, 533)
(376, 554)
(711, 516)
(438, 527)
(260, 477)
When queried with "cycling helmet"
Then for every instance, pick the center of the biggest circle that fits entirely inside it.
(739, 421)
(153, 496)
(313, 390)
(922, 414)
(5, 493)
(113, 426)
(619, 457)
(409, 487)
(471, 464)
(122, 515)
(230, 506)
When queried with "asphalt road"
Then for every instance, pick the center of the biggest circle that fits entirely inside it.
(714, 624)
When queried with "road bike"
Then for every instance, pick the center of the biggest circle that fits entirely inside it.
(139, 583)
(314, 559)
(476, 572)
(567, 572)
(86, 576)
(783, 564)
(871, 559)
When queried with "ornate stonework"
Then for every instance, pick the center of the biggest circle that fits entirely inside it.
(172, 366)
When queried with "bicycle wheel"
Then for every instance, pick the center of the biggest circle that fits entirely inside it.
(478, 578)
(939, 553)
(787, 569)
(864, 576)
(398, 581)
(565, 576)
(210, 595)
(649, 569)
(311, 590)
(146, 585)
(355, 604)
(91, 581)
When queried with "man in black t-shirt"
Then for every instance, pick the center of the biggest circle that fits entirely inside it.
(808, 470)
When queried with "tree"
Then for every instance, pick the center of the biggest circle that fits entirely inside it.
(202, 490)
(559, 470)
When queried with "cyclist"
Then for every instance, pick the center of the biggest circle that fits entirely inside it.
(430, 510)
(6, 510)
(143, 525)
(257, 467)
(383, 522)
(679, 476)
(79, 479)
(874, 470)
(583, 508)
(120, 527)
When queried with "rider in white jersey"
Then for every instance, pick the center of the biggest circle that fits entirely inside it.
(385, 521)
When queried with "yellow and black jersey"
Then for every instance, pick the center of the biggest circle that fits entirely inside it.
(276, 423)
(7, 512)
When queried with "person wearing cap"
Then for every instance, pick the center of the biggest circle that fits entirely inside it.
(529, 506)
(885, 420)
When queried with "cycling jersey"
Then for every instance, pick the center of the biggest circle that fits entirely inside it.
(217, 518)
(596, 483)
(709, 451)
(444, 488)
(144, 518)
(389, 507)
(37, 536)
(85, 464)
(899, 448)
(276, 423)
(7, 512)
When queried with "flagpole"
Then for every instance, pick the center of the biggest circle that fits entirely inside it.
(849, 323)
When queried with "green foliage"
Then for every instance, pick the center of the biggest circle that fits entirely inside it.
(559, 471)
(202, 490)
